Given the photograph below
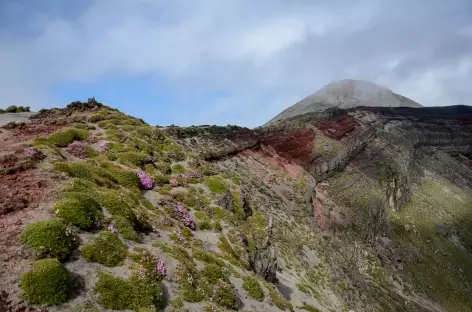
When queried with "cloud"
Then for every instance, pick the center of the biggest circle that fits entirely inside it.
(264, 54)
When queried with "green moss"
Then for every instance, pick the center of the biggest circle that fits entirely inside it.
(78, 209)
(216, 184)
(174, 152)
(131, 158)
(133, 294)
(90, 152)
(47, 283)
(304, 288)
(177, 168)
(86, 306)
(106, 249)
(79, 185)
(164, 167)
(225, 295)
(207, 257)
(126, 178)
(253, 288)
(65, 137)
(213, 272)
(125, 228)
(117, 204)
(308, 308)
(87, 171)
(97, 117)
(49, 238)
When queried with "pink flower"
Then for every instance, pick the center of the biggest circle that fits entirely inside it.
(161, 268)
(105, 145)
(34, 154)
(77, 149)
(174, 182)
(111, 228)
(145, 180)
(192, 175)
(182, 215)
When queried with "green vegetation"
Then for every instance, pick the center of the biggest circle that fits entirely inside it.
(213, 272)
(87, 171)
(47, 283)
(49, 238)
(86, 306)
(133, 294)
(441, 268)
(134, 159)
(174, 152)
(125, 228)
(216, 184)
(308, 308)
(78, 209)
(117, 204)
(277, 299)
(177, 168)
(15, 109)
(253, 288)
(65, 137)
(126, 178)
(106, 249)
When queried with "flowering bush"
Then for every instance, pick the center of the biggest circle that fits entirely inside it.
(112, 228)
(161, 268)
(182, 215)
(34, 154)
(77, 149)
(192, 175)
(105, 145)
(145, 180)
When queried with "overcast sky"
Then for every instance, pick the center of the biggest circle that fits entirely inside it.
(229, 61)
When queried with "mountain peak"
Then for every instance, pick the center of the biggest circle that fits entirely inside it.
(346, 93)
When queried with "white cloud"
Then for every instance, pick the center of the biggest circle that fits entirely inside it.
(251, 48)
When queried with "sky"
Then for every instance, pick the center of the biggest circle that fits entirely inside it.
(224, 62)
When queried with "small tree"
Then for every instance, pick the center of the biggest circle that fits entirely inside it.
(12, 109)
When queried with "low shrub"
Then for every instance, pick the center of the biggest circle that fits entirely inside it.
(49, 238)
(87, 171)
(126, 230)
(131, 158)
(65, 137)
(117, 204)
(133, 294)
(47, 283)
(106, 249)
(253, 288)
(177, 168)
(216, 184)
(126, 178)
(181, 214)
(78, 209)
(174, 152)
(145, 180)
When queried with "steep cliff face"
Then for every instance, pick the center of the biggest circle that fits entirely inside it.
(364, 209)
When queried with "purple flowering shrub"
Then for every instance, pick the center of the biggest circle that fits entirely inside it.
(192, 175)
(161, 268)
(145, 180)
(77, 149)
(34, 154)
(105, 145)
(149, 267)
(181, 214)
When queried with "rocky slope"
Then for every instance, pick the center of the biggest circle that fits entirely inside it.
(362, 209)
(346, 93)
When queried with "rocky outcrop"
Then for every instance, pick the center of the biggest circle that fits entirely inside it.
(263, 260)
